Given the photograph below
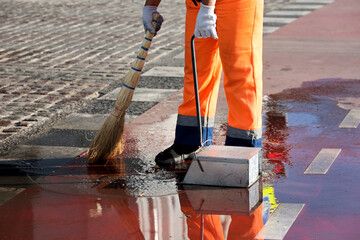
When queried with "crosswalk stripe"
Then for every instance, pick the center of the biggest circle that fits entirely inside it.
(179, 58)
(323, 161)
(300, 7)
(268, 30)
(287, 14)
(277, 21)
(165, 71)
(314, 1)
(351, 120)
(280, 221)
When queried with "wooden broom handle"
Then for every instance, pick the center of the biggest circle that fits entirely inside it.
(142, 54)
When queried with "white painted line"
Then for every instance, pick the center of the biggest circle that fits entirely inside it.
(165, 72)
(151, 94)
(180, 57)
(280, 221)
(268, 29)
(314, 1)
(291, 14)
(351, 120)
(277, 20)
(142, 94)
(323, 161)
(84, 121)
(301, 7)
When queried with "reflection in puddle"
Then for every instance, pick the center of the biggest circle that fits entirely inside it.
(275, 147)
(135, 200)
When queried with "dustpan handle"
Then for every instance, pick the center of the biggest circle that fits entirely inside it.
(196, 88)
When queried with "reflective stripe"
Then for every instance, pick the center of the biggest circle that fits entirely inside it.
(244, 134)
(191, 121)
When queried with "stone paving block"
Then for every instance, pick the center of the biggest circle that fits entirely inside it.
(65, 138)
(86, 121)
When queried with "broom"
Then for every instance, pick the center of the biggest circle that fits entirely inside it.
(109, 142)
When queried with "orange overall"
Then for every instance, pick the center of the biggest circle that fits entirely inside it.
(241, 227)
(238, 52)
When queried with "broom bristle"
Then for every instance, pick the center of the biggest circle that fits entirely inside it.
(109, 142)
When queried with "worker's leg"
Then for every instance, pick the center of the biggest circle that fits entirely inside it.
(246, 227)
(208, 72)
(187, 140)
(200, 226)
(239, 27)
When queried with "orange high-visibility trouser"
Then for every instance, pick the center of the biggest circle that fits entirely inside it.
(238, 52)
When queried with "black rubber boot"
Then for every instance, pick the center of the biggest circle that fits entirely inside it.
(177, 153)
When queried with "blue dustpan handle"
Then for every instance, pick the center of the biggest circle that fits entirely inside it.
(193, 59)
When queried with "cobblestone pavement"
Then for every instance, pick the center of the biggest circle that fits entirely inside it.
(56, 56)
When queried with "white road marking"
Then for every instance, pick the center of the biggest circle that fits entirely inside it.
(268, 29)
(351, 120)
(142, 94)
(291, 14)
(323, 161)
(301, 7)
(165, 71)
(277, 20)
(314, 1)
(280, 221)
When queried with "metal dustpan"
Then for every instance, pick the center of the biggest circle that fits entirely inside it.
(225, 166)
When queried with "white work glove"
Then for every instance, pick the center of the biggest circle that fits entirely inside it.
(147, 19)
(206, 22)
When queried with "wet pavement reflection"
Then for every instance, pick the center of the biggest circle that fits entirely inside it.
(111, 202)
(131, 198)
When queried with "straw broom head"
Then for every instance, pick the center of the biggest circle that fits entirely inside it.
(109, 142)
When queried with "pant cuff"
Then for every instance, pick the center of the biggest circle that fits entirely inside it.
(188, 135)
(230, 141)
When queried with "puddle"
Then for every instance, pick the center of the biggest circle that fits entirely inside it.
(133, 199)
(302, 120)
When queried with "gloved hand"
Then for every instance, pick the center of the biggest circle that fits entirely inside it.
(147, 19)
(206, 22)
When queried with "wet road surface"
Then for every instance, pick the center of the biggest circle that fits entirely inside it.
(131, 198)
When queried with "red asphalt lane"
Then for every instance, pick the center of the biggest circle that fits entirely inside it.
(322, 45)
